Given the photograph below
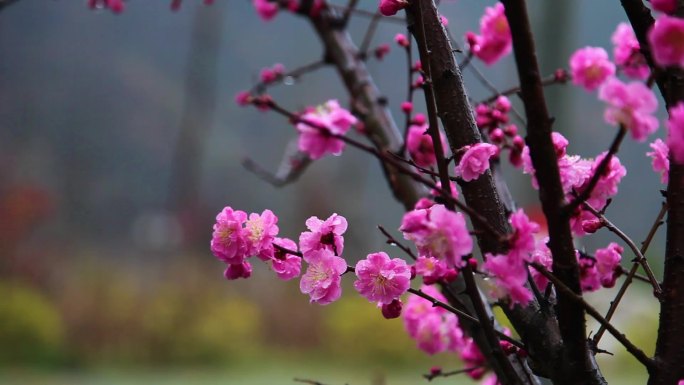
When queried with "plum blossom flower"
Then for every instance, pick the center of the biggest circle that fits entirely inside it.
(666, 39)
(475, 161)
(659, 159)
(439, 233)
(431, 269)
(323, 235)
(420, 146)
(494, 40)
(322, 278)
(522, 242)
(607, 260)
(285, 265)
(627, 53)
(675, 128)
(315, 127)
(510, 278)
(417, 309)
(631, 105)
(227, 242)
(381, 279)
(391, 7)
(259, 232)
(590, 67)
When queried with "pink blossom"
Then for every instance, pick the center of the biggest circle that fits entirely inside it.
(401, 39)
(391, 7)
(380, 279)
(322, 278)
(454, 190)
(430, 335)
(589, 278)
(286, 265)
(259, 232)
(323, 235)
(444, 20)
(631, 105)
(659, 159)
(590, 66)
(438, 233)
(522, 241)
(510, 278)
(472, 356)
(495, 39)
(316, 125)
(269, 75)
(407, 107)
(418, 308)
(475, 161)
(627, 54)
(667, 6)
(420, 146)
(542, 256)
(666, 39)
(266, 9)
(607, 185)
(239, 270)
(675, 135)
(227, 242)
(607, 261)
(432, 269)
(243, 98)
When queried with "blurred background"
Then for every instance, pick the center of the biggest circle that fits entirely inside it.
(120, 141)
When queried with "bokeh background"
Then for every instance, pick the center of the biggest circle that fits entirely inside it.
(120, 141)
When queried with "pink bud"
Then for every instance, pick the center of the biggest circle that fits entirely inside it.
(407, 107)
(511, 130)
(519, 142)
(419, 119)
(591, 226)
(381, 51)
(392, 310)
(401, 39)
(496, 135)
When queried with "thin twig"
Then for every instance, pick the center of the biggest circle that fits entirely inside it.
(549, 80)
(632, 273)
(432, 376)
(392, 241)
(631, 348)
(368, 37)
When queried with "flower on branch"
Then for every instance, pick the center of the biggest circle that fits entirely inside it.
(631, 105)
(666, 39)
(323, 235)
(475, 161)
(316, 125)
(590, 67)
(322, 278)
(675, 132)
(494, 40)
(420, 146)
(627, 52)
(381, 279)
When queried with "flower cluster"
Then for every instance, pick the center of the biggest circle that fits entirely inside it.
(493, 119)
(494, 40)
(270, 75)
(601, 270)
(509, 270)
(438, 233)
(316, 125)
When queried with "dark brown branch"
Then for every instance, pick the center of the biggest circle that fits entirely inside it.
(577, 367)
(561, 287)
(432, 376)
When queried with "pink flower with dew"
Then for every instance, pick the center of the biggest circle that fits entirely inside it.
(607, 261)
(316, 126)
(666, 39)
(259, 233)
(522, 242)
(391, 7)
(227, 241)
(675, 132)
(495, 39)
(510, 276)
(659, 159)
(631, 105)
(542, 256)
(590, 67)
(323, 235)
(420, 146)
(381, 279)
(475, 161)
(239, 270)
(266, 9)
(667, 6)
(627, 54)
(441, 234)
(431, 269)
(322, 278)
(285, 265)
(418, 308)
(607, 185)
